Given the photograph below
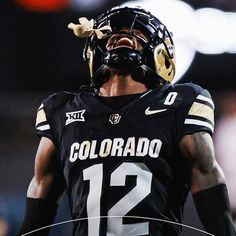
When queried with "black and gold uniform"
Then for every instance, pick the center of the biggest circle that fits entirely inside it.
(122, 166)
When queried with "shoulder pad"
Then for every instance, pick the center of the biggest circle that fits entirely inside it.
(189, 92)
(58, 99)
(46, 111)
(188, 87)
(196, 112)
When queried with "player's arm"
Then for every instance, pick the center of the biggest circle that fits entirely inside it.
(207, 184)
(44, 190)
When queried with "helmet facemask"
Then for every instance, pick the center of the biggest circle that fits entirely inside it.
(152, 65)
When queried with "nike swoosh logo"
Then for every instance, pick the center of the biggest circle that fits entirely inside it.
(151, 112)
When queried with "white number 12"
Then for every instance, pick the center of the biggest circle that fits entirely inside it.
(118, 177)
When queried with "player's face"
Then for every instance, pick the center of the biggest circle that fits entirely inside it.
(126, 40)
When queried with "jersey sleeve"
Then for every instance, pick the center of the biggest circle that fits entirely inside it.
(196, 113)
(42, 125)
(50, 118)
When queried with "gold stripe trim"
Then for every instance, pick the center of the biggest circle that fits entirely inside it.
(202, 110)
(41, 117)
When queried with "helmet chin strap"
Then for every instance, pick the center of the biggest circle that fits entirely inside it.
(121, 59)
(150, 79)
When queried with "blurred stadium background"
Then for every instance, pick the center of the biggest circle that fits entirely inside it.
(40, 56)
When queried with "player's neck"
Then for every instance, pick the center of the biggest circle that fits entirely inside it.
(119, 85)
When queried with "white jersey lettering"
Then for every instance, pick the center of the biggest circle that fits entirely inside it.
(115, 147)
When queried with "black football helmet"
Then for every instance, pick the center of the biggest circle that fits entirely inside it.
(156, 59)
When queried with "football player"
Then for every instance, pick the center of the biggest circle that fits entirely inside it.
(127, 150)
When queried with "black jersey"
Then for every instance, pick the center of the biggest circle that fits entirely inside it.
(123, 170)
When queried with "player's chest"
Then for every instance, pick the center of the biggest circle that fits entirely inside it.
(142, 133)
(142, 122)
